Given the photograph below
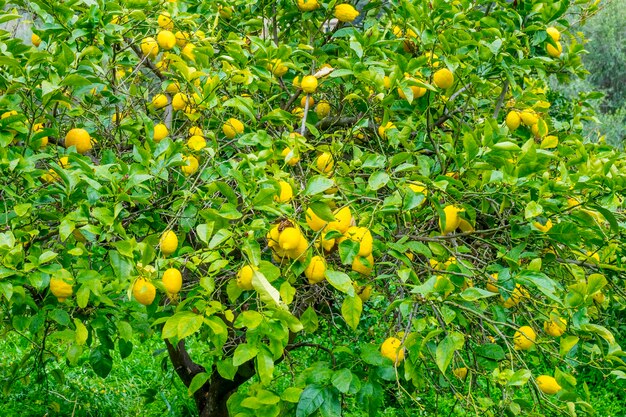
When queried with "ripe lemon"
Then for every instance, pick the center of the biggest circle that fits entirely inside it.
(189, 52)
(272, 237)
(554, 51)
(529, 117)
(554, 33)
(325, 163)
(36, 40)
(443, 78)
(316, 270)
(60, 289)
(364, 292)
(548, 384)
(244, 278)
(195, 131)
(309, 84)
(524, 338)
(78, 138)
(513, 120)
(460, 373)
(417, 91)
(289, 238)
(165, 21)
(196, 143)
(168, 242)
(232, 128)
(192, 165)
(599, 297)
(172, 280)
(181, 38)
(545, 227)
(345, 12)
(363, 265)
(149, 47)
(314, 222)
(179, 101)
(518, 294)
(144, 291)
(322, 109)
(343, 218)
(292, 159)
(277, 67)
(159, 101)
(555, 328)
(300, 250)
(166, 39)
(452, 219)
(492, 283)
(303, 101)
(286, 192)
(364, 237)
(308, 5)
(382, 129)
(392, 349)
(160, 132)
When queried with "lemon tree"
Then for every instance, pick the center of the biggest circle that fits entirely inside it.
(384, 186)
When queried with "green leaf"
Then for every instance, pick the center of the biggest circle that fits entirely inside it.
(340, 281)
(519, 378)
(601, 331)
(567, 343)
(309, 320)
(265, 365)
(446, 348)
(60, 316)
(540, 281)
(318, 184)
(310, 401)
(322, 211)
(188, 324)
(220, 237)
(595, 282)
(291, 395)
(474, 293)
(81, 332)
(243, 353)
(266, 291)
(197, 382)
(101, 361)
(351, 311)
(378, 180)
(250, 319)
(342, 379)
(226, 369)
(46, 257)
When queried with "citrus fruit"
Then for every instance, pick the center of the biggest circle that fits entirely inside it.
(289, 238)
(144, 291)
(316, 270)
(60, 289)
(443, 78)
(555, 327)
(159, 101)
(322, 109)
(314, 221)
(232, 127)
(244, 278)
(35, 39)
(309, 84)
(160, 132)
(286, 192)
(524, 338)
(513, 120)
(460, 373)
(392, 349)
(554, 51)
(554, 33)
(292, 159)
(345, 12)
(325, 163)
(165, 21)
(172, 280)
(179, 101)
(363, 265)
(149, 47)
(80, 139)
(363, 236)
(166, 40)
(451, 218)
(191, 166)
(196, 143)
(168, 242)
(548, 384)
(308, 5)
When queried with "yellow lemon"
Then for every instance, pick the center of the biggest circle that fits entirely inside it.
(60, 289)
(554, 33)
(363, 236)
(159, 101)
(160, 132)
(314, 222)
(316, 270)
(322, 109)
(492, 283)
(451, 218)
(179, 101)
(290, 158)
(543, 227)
(289, 238)
(232, 128)
(286, 192)
(363, 265)
(309, 84)
(304, 100)
(460, 373)
(149, 47)
(548, 384)
(554, 51)
(325, 163)
(529, 117)
(196, 143)
(513, 120)
(364, 292)
(308, 5)
(555, 328)
(181, 38)
(244, 278)
(189, 52)
(80, 139)
(144, 291)
(524, 338)
(277, 67)
(192, 165)
(166, 40)
(382, 129)
(518, 294)
(172, 280)
(599, 297)
(298, 251)
(36, 40)
(168, 242)
(195, 131)
(443, 78)
(343, 218)
(392, 349)
(345, 12)
(165, 21)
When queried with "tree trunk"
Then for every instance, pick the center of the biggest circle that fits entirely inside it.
(211, 398)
